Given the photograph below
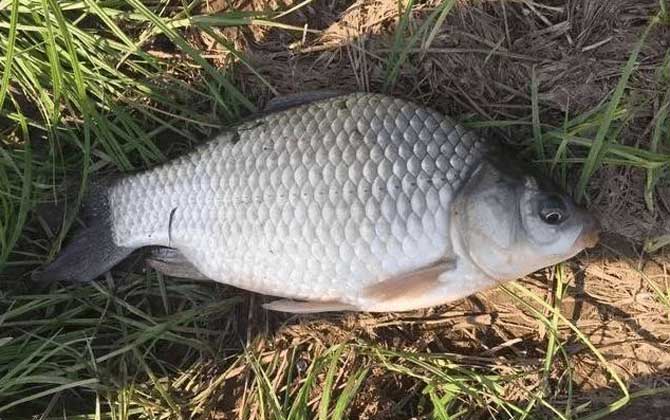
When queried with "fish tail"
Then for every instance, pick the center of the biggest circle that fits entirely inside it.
(92, 251)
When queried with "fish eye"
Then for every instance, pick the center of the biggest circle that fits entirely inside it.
(553, 210)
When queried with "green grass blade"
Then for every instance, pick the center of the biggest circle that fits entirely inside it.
(324, 404)
(84, 383)
(55, 68)
(10, 239)
(654, 244)
(439, 412)
(661, 117)
(444, 10)
(266, 392)
(397, 58)
(344, 400)
(9, 55)
(537, 131)
(84, 107)
(595, 155)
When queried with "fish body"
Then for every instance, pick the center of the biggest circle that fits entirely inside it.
(347, 202)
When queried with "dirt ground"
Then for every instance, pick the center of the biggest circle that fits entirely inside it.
(478, 67)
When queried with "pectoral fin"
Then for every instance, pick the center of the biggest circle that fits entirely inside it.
(442, 282)
(409, 285)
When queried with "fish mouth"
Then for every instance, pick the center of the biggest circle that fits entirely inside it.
(590, 233)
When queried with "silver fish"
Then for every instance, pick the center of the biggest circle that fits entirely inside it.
(359, 202)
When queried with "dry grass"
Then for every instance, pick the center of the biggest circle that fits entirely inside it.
(504, 350)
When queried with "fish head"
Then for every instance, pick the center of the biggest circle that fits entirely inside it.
(511, 224)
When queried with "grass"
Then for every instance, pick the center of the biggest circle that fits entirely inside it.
(595, 155)
(99, 339)
(90, 88)
(405, 39)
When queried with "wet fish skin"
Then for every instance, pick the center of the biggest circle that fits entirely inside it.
(334, 202)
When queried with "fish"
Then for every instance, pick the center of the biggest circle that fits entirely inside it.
(332, 201)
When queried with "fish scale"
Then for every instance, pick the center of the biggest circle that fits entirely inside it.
(314, 202)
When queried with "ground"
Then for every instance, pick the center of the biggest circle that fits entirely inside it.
(498, 353)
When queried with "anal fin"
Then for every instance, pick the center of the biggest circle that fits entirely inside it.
(299, 307)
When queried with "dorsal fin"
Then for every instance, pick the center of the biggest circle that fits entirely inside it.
(277, 104)
(283, 102)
